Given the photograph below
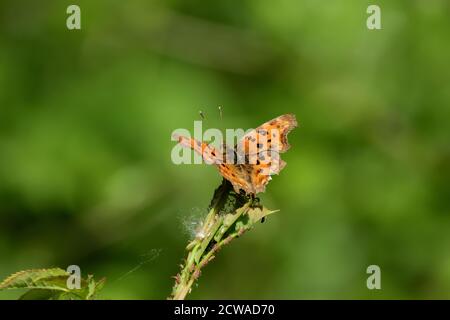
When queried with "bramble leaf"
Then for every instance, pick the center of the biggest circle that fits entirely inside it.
(51, 279)
(51, 284)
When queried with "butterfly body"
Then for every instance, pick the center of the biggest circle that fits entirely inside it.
(254, 159)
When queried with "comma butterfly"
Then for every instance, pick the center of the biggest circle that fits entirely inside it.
(255, 157)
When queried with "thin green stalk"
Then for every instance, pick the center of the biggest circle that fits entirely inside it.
(230, 216)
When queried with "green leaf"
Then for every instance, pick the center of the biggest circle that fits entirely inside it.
(257, 213)
(208, 239)
(229, 220)
(94, 287)
(51, 284)
(51, 279)
(41, 294)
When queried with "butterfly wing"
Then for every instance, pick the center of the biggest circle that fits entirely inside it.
(271, 135)
(258, 154)
(209, 154)
(231, 172)
(260, 149)
(238, 175)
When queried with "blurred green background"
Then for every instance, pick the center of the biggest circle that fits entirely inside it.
(86, 118)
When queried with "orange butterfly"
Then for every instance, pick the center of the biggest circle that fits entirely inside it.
(254, 159)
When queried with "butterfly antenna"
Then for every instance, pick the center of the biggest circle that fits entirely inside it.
(202, 115)
(224, 143)
(221, 118)
(221, 112)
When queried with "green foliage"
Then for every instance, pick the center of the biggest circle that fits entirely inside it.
(230, 215)
(51, 284)
(86, 118)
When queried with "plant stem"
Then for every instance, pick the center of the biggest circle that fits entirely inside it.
(196, 248)
(231, 214)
